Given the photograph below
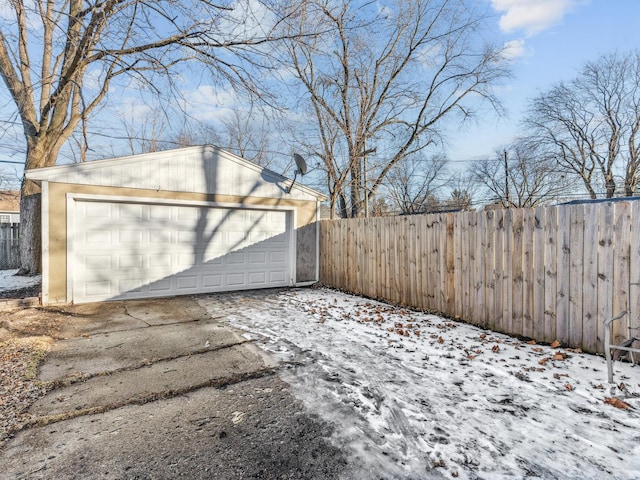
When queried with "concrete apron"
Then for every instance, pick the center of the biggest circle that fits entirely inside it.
(123, 353)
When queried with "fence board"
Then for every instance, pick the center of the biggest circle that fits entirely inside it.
(550, 279)
(590, 279)
(605, 269)
(634, 271)
(468, 310)
(423, 249)
(449, 247)
(528, 278)
(480, 252)
(563, 281)
(496, 321)
(458, 267)
(507, 278)
(621, 238)
(539, 272)
(517, 273)
(576, 274)
(441, 276)
(489, 274)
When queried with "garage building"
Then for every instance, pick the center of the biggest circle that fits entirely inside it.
(185, 221)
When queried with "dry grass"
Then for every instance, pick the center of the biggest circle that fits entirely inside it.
(25, 338)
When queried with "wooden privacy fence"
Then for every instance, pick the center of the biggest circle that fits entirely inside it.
(9, 249)
(545, 273)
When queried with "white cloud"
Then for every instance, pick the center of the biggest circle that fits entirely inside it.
(532, 16)
(210, 103)
(513, 49)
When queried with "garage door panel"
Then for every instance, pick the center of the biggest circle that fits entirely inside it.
(277, 276)
(187, 282)
(97, 288)
(258, 258)
(97, 236)
(235, 279)
(127, 211)
(98, 262)
(160, 250)
(131, 285)
(163, 285)
(277, 257)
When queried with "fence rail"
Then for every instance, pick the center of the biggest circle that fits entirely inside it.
(545, 273)
(9, 249)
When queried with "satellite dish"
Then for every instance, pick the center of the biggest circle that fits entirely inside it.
(300, 162)
(302, 169)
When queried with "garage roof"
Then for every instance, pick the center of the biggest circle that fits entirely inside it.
(201, 169)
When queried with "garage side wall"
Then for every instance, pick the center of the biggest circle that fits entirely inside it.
(305, 214)
(306, 253)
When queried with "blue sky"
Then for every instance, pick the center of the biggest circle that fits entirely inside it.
(553, 38)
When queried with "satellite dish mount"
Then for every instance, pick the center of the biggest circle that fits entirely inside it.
(302, 169)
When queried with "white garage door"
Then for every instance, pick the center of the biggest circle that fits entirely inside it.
(141, 250)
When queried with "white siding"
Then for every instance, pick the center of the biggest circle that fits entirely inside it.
(196, 169)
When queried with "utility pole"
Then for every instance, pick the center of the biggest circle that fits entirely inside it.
(506, 179)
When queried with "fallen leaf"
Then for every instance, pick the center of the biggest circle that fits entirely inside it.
(543, 361)
(537, 350)
(555, 344)
(440, 340)
(495, 349)
(616, 402)
(531, 342)
(417, 333)
(569, 387)
(470, 357)
(560, 356)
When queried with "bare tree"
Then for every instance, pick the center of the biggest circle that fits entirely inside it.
(59, 58)
(413, 183)
(9, 179)
(591, 124)
(381, 82)
(520, 176)
(459, 200)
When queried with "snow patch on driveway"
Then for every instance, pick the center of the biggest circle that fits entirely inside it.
(417, 396)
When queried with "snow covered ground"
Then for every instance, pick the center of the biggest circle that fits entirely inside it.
(9, 280)
(416, 396)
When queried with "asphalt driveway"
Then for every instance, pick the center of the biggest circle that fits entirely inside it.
(166, 389)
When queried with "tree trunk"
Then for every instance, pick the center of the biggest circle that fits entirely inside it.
(30, 234)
